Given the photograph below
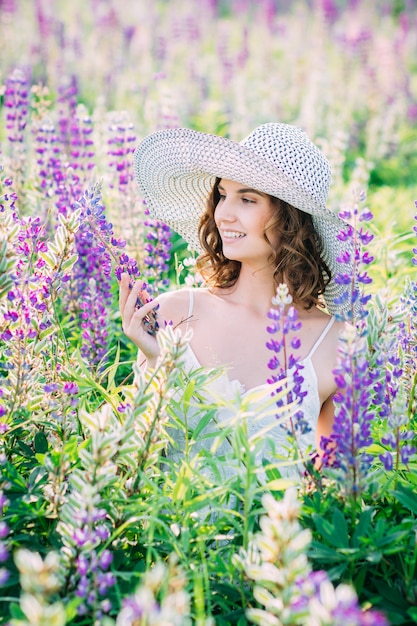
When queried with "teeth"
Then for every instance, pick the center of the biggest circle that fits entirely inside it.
(233, 234)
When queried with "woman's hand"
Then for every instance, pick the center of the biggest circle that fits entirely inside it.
(135, 319)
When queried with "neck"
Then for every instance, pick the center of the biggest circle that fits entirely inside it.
(254, 288)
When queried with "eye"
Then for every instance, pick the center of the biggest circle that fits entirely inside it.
(248, 201)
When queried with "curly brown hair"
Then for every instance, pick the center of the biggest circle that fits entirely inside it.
(297, 259)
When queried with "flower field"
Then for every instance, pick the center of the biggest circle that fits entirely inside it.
(98, 525)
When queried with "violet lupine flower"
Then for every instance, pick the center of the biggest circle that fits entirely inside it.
(345, 449)
(94, 320)
(4, 531)
(353, 295)
(101, 232)
(158, 247)
(92, 576)
(414, 259)
(388, 377)
(338, 606)
(81, 146)
(394, 389)
(125, 195)
(8, 197)
(121, 145)
(92, 275)
(408, 330)
(16, 104)
(67, 104)
(52, 177)
(283, 322)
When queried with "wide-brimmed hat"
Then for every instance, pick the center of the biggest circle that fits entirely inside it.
(176, 170)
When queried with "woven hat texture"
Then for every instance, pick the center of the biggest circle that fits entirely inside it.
(176, 170)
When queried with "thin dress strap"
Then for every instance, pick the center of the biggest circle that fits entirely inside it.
(190, 308)
(321, 337)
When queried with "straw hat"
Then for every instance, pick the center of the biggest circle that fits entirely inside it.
(176, 170)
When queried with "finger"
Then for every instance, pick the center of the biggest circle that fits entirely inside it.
(142, 311)
(145, 317)
(124, 291)
(132, 300)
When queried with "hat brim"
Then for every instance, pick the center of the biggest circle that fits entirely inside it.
(176, 169)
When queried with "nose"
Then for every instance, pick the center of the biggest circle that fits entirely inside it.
(225, 210)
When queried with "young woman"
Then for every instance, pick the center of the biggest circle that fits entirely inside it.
(257, 212)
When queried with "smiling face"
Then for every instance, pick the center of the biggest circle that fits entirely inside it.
(242, 215)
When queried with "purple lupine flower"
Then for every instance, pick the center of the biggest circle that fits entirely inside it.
(284, 320)
(81, 146)
(393, 389)
(121, 146)
(16, 104)
(346, 448)
(67, 104)
(92, 578)
(339, 605)
(397, 364)
(94, 321)
(4, 549)
(158, 249)
(70, 388)
(54, 181)
(108, 246)
(92, 276)
(8, 197)
(353, 296)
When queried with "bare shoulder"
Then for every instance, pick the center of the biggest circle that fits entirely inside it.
(316, 322)
(338, 328)
(174, 306)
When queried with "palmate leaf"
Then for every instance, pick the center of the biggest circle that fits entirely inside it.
(406, 497)
(362, 526)
(334, 533)
(323, 553)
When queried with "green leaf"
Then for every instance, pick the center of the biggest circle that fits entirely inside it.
(340, 532)
(374, 557)
(320, 552)
(336, 572)
(25, 450)
(49, 258)
(329, 532)
(412, 612)
(36, 476)
(16, 612)
(406, 497)
(41, 443)
(362, 527)
(202, 424)
(68, 263)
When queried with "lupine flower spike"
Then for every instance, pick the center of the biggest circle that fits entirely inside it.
(110, 247)
(286, 368)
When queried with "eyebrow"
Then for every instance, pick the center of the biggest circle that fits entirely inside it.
(244, 190)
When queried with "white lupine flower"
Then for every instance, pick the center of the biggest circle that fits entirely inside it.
(268, 599)
(276, 560)
(263, 618)
(301, 541)
(267, 548)
(282, 296)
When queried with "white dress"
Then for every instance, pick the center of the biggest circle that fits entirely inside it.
(260, 412)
